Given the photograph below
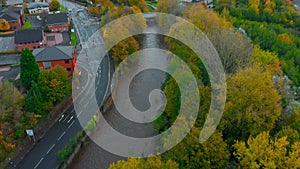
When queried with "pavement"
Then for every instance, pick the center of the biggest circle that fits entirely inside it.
(43, 154)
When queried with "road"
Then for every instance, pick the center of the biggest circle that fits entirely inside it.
(43, 155)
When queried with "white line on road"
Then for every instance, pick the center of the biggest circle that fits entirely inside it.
(38, 163)
(86, 104)
(71, 124)
(79, 114)
(61, 117)
(61, 135)
(70, 119)
(50, 148)
(66, 118)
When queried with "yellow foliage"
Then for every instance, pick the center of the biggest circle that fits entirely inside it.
(263, 152)
(4, 25)
(285, 38)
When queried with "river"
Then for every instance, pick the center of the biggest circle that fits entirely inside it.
(91, 156)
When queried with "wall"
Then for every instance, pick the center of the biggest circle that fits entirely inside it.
(59, 28)
(31, 46)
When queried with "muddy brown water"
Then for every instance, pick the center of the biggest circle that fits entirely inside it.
(91, 156)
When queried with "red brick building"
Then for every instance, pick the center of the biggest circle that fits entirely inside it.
(58, 22)
(30, 38)
(14, 16)
(50, 57)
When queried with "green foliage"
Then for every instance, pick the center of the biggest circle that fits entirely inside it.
(27, 24)
(30, 70)
(190, 154)
(54, 85)
(159, 123)
(91, 125)
(34, 101)
(68, 149)
(250, 109)
(73, 39)
(11, 115)
(271, 37)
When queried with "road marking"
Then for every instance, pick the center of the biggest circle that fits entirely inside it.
(50, 148)
(71, 124)
(38, 163)
(79, 114)
(61, 135)
(61, 117)
(66, 118)
(70, 119)
(86, 104)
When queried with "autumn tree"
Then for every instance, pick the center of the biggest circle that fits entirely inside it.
(233, 47)
(222, 4)
(54, 5)
(263, 152)
(129, 26)
(4, 25)
(54, 85)
(11, 115)
(252, 106)
(190, 154)
(29, 68)
(168, 6)
(150, 163)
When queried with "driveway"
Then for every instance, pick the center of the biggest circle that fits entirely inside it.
(7, 43)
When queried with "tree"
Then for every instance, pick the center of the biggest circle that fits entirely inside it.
(29, 68)
(34, 101)
(150, 163)
(263, 152)
(168, 6)
(252, 106)
(54, 5)
(191, 154)
(11, 115)
(4, 25)
(54, 85)
(233, 47)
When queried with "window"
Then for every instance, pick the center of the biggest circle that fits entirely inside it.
(68, 69)
(47, 65)
(67, 62)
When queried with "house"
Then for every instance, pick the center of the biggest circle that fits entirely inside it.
(17, 3)
(38, 7)
(50, 57)
(30, 38)
(58, 22)
(14, 16)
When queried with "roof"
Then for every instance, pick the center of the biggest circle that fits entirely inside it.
(11, 13)
(58, 18)
(14, 2)
(29, 35)
(35, 5)
(53, 53)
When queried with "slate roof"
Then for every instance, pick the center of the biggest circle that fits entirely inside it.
(29, 35)
(35, 5)
(11, 13)
(14, 2)
(53, 53)
(59, 18)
